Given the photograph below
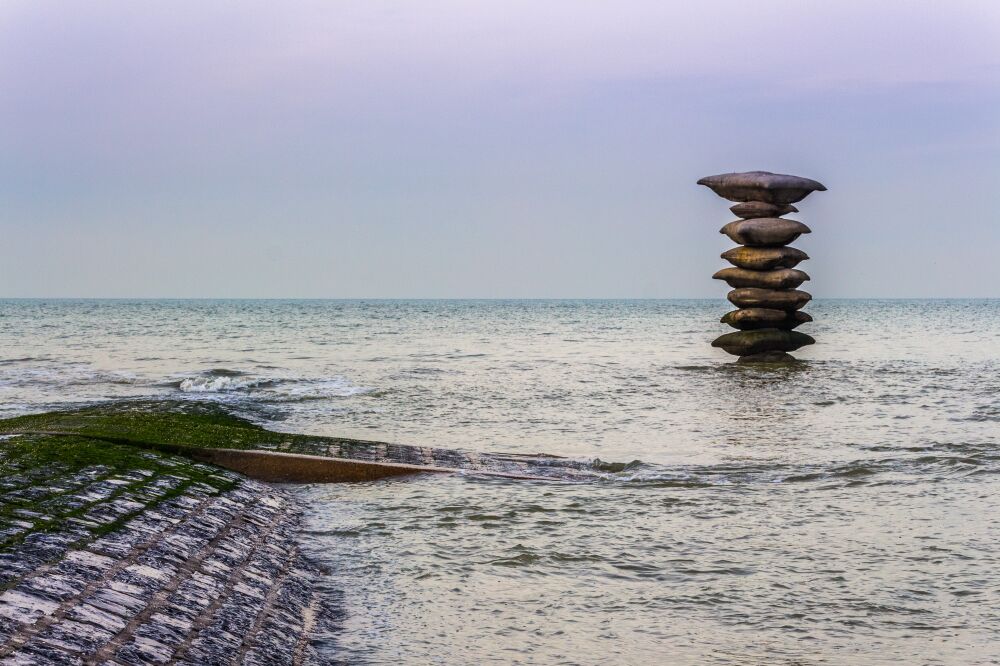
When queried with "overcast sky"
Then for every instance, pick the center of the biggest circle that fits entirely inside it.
(489, 149)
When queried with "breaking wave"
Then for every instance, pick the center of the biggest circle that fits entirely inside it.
(268, 388)
(217, 381)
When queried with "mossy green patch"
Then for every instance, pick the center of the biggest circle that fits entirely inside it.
(195, 429)
(171, 426)
(49, 482)
(166, 425)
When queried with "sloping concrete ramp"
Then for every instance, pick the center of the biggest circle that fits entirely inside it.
(277, 467)
(194, 577)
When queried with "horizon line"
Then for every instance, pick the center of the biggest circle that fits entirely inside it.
(471, 298)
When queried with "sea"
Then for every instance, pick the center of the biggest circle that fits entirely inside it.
(841, 510)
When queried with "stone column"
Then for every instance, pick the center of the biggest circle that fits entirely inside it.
(763, 276)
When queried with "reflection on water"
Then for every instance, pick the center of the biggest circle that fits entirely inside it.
(839, 510)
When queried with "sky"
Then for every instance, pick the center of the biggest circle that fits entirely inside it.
(474, 149)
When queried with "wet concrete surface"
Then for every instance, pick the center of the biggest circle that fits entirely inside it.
(470, 462)
(152, 568)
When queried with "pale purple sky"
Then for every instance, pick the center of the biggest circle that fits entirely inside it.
(489, 149)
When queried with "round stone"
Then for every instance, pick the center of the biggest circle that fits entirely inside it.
(768, 357)
(788, 299)
(751, 209)
(745, 343)
(764, 258)
(764, 231)
(781, 278)
(750, 319)
(773, 188)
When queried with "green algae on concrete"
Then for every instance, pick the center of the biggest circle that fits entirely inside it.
(209, 433)
(205, 432)
(62, 492)
(173, 426)
(133, 556)
(168, 424)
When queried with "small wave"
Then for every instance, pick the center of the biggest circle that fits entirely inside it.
(67, 375)
(982, 414)
(224, 372)
(218, 383)
(24, 359)
(418, 371)
(219, 380)
(853, 470)
(321, 389)
(273, 389)
(521, 560)
(616, 467)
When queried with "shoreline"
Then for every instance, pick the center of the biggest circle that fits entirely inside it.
(144, 532)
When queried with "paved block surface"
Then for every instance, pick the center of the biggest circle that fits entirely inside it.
(169, 563)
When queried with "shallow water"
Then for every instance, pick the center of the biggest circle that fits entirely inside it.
(840, 511)
(846, 571)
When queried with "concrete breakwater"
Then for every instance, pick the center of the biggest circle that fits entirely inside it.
(208, 433)
(152, 559)
(120, 545)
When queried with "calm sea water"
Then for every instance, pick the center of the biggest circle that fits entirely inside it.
(845, 510)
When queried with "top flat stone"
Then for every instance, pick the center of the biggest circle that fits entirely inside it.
(773, 188)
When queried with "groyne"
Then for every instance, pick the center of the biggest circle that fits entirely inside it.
(142, 533)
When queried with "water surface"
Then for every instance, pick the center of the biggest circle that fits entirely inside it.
(844, 510)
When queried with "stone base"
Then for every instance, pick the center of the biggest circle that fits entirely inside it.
(767, 357)
(761, 341)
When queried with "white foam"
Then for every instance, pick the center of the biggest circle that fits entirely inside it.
(217, 384)
(319, 389)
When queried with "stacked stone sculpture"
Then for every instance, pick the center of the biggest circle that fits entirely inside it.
(763, 276)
